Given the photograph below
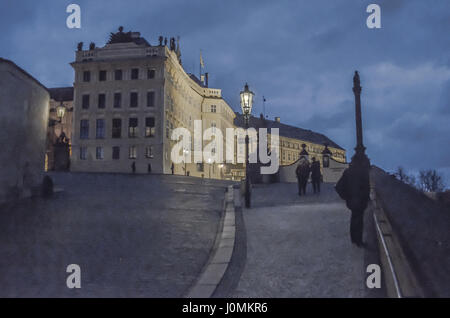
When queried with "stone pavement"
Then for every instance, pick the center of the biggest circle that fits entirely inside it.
(132, 235)
(299, 246)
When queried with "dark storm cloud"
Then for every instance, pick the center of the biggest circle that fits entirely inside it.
(301, 55)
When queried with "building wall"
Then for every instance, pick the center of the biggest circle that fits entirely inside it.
(179, 101)
(125, 87)
(24, 105)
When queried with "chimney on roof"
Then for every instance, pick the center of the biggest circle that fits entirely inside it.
(206, 79)
(277, 119)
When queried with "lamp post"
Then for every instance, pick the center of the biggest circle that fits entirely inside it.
(246, 106)
(185, 152)
(209, 172)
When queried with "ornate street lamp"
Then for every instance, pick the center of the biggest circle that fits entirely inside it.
(60, 111)
(246, 106)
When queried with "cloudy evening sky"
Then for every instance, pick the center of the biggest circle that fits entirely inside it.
(300, 55)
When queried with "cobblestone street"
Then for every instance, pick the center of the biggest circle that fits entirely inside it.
(133, 236)
(299, 246)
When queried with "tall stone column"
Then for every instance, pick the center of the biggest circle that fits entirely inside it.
(359, 134)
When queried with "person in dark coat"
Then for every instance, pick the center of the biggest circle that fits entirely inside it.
(315, 175)
(133, 167)
(302, 173)
(149, 168)
(354, 188)
(172, 167)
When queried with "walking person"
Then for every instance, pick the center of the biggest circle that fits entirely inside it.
(133, 167)
(172, 167)
(302, 173)
(354, 188)
(149, 168)
(315, 175)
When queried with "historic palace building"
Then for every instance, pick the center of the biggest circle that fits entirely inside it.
(129, 96)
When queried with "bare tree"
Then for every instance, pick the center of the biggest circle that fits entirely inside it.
(404, 177)
(430, 181)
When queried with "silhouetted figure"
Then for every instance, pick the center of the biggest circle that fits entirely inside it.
(315, 175)
(172, 167)
(47, 187)
(149, 168)
(133, 167)
(302, 173)
(354, 188)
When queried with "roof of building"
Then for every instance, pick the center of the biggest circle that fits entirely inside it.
(61, 93)
(287, 130)
(125, 37)
(195, 79)
(2, 60)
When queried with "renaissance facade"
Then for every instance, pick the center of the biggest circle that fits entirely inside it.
(130, 95)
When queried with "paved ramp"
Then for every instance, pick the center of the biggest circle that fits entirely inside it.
(299, 246)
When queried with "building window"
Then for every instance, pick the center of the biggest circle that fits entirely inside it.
(116, 127)
(83, 153)
(213, 108)
(149, 152)
(150, 73)
(132, 154)
(85, 102)
(149, 127)
(135, 74)
(101, 100)
(118, 75)
(86, 76)
(150, 99)
(117, 100)
(102, 76)
(99, 153)
(132, 127)
(84, 129)
(100, 129)
(133, 99)
(213, 127)
(116, 153)
(200, 167)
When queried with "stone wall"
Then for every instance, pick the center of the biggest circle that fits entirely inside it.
(24, 104)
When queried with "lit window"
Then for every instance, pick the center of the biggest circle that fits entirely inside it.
(132, 154)
(132, 127)
(149, 152)
(149, 127)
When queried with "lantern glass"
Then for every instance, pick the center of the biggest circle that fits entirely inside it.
(60, 111)
(246, 100)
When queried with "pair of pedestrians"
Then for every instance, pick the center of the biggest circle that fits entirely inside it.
(303, 172)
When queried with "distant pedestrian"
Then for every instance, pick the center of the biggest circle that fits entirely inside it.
(172, 167)
(149, 168)
(302, 172)
(354, 188)
(133, 167)
(315, 175)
